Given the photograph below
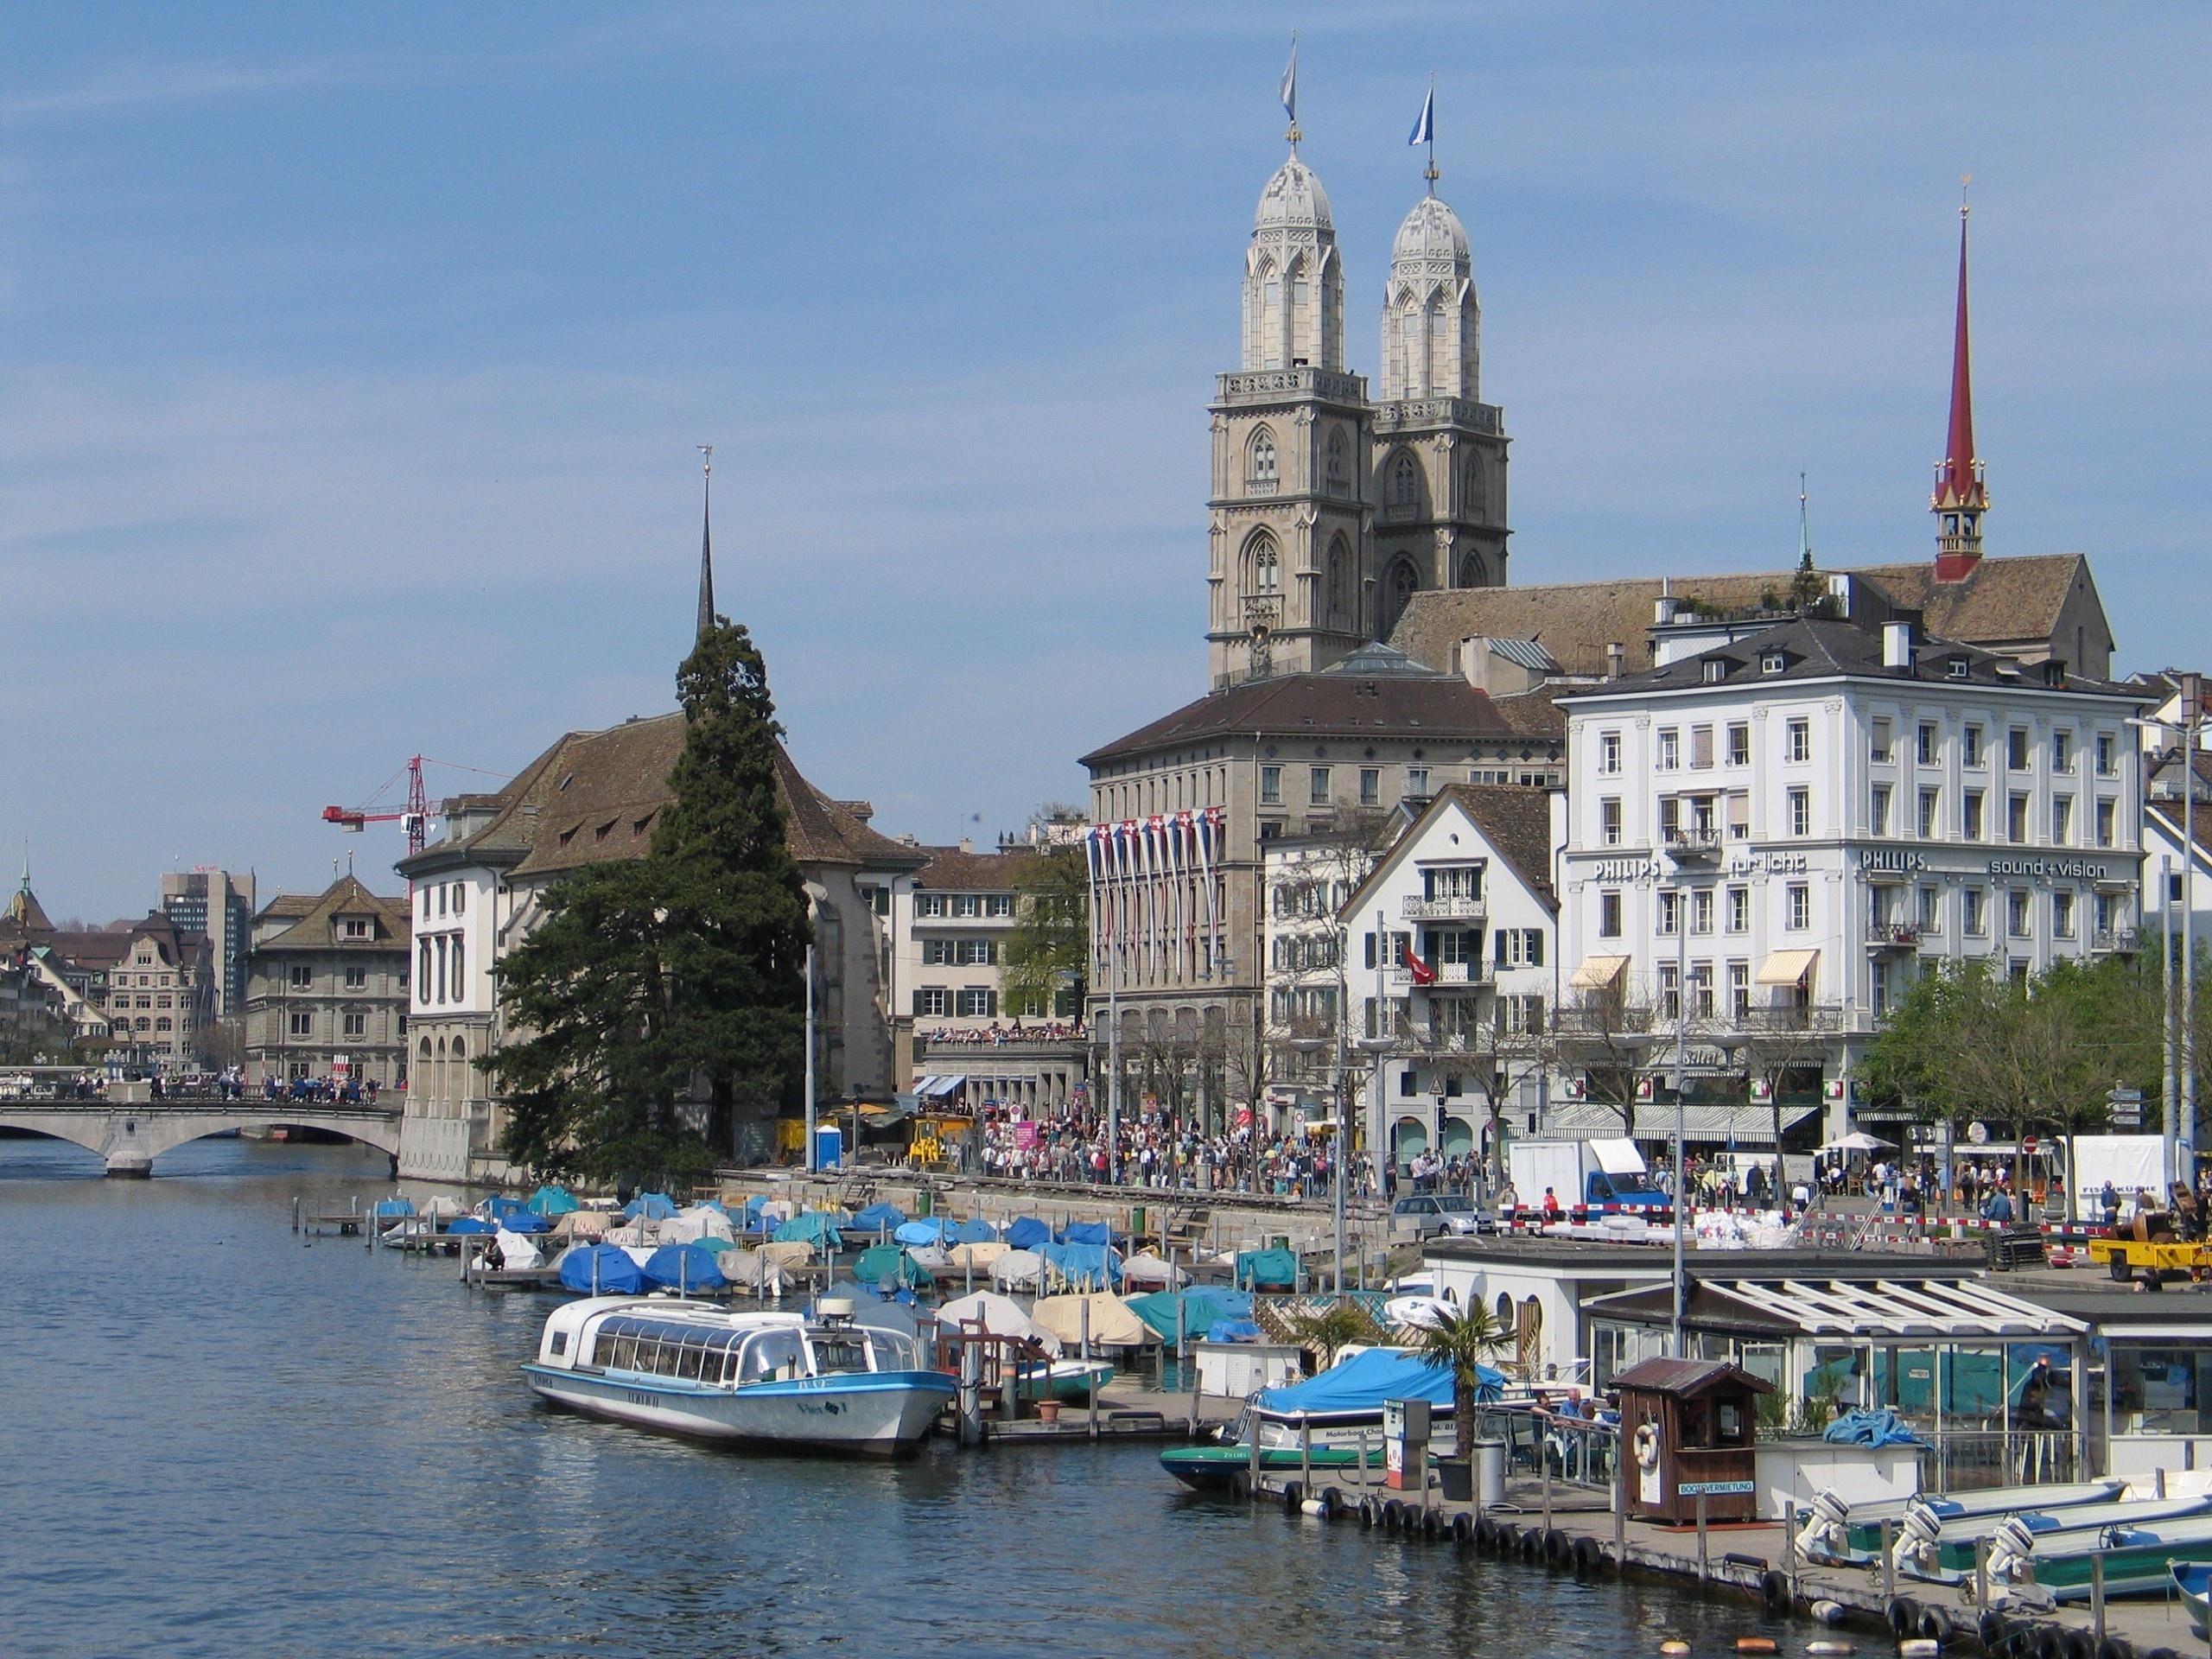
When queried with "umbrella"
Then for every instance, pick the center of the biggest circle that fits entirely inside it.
(1858, 1141)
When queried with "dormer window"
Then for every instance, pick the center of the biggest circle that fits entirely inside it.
(1958, 668)
(355, 927)
(1716, 669)
(1773, 663)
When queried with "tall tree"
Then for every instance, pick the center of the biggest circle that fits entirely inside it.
(1048, 950)
(662, 1000)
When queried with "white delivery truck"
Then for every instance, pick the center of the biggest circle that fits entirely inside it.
(1595, 1177)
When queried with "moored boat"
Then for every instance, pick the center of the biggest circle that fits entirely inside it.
(1940, 1550)
(1839, 1532)
(2059, 1566)
(771, 1378)
(2194, 1580)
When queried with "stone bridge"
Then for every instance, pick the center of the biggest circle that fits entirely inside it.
(132, 1135)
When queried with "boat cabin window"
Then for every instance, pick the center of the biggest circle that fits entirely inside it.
(689, 1352)
(893, 1352)
(771, 1355)
(560, 1341)
(841, 1351)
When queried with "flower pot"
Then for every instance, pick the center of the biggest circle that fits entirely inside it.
(1048, 1411)
(1455, 1477)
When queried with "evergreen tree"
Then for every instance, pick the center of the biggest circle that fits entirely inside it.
(669, 990)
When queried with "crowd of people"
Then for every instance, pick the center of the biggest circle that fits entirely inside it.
(1151, 1151)
(998, 1036)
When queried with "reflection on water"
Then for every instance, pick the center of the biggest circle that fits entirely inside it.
(224, 1440)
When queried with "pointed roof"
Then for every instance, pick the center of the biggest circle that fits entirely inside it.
(312, 917)
(707, 557)
(25, 914)
(1958, 480)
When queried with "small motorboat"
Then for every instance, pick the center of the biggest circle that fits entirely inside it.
(1072, 1380)
(1839, 1532)
(2194, 1580)
(2046, 1568)
(818, 1384)
(1941, 1551)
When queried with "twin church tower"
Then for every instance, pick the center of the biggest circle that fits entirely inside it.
(1329, 511)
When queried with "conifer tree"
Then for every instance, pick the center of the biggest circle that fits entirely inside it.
(662, 999)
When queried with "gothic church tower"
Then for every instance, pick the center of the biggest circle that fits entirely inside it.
(1440, 451)
(1289, 580)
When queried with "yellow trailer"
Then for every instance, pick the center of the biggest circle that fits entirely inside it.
(2127, 1257)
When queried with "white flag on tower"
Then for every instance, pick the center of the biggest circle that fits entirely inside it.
(1290, 83)
(1425, 128)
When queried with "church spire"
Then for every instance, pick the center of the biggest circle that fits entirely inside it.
(1960, 498)
(706, 545)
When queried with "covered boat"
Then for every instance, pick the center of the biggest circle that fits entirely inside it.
(600, 1270)
(684, 1268)
(773, 1379)
(551, 1202)
(1111, 1323)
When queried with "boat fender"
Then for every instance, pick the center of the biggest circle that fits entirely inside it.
(1530, 1545)
(1332, 1503)
(1508, 1538)
(1992, 1627)
(1774, 1591)
(1836, 1648)
(1589, 1555)
(1673, 1648)
(1936, 1626)
(1829, 1612)
(1293, 1496)
(1393, 1511)
(2078, 1644)
(2114, 1648)
(1559, 1548)
(1485, 1534)
(1314, 1507)
(1462, 1532)
(1758, 1644)
(2162, 1652)
(1434, 1523)
(2045, 1642)
(1919, 1647)
(1904, 1616)
(1370, 1513)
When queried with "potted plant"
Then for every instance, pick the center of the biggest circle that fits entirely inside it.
(1461, 1342)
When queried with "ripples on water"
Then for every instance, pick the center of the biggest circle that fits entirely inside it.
(222, 1440)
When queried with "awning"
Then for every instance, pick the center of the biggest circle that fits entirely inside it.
(1901, 1307)
(1596, 973)
(1786, 968)
(937, 1088)
(1742, 1126)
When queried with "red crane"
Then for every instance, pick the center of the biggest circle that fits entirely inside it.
(416, 815)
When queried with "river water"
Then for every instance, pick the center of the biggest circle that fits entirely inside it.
(221, 1439)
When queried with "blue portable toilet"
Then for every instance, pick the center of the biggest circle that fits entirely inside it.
(828, 1149)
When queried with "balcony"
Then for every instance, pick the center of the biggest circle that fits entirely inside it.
(1893, 936)
(1442, 909)
(1692, 844)
(1450, 975)
(2118, 941)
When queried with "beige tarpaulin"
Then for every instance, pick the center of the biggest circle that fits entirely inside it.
(790, 1253)
(1787, 968)
(977, 1255)
(1596, 973)
(1000, 1315)
(1112, 1325)
(583, 1223)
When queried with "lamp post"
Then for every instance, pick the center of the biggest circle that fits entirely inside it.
(1310, 1046)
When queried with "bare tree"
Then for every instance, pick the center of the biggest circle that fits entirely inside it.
(1605, 1035)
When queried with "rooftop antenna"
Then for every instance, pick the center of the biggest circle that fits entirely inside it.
(1289, 94)
(1424, 132)
(1804, 526)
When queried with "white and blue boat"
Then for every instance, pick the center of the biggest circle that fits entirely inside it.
(770, 1379)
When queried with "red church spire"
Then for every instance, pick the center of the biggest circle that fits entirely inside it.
(1959, 497)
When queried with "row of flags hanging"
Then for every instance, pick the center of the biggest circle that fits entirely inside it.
(1424, 130)
(1155, 897)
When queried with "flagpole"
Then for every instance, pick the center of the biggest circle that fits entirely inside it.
(1432, 175)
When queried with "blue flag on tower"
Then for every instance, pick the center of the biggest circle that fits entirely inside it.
(1290, 83)
(1425, 128)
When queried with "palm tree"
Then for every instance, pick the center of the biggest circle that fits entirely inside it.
(1461, 1342)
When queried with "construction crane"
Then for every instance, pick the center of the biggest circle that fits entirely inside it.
(415, 816)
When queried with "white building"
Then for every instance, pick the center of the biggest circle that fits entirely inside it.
(1791, 820)
(1452, 959)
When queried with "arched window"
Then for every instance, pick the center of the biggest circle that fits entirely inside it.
(1404, 584)
(1259, 462)
(163, 1023)
(1409, 352)
(1474, 491)
(1473, 572)
(1339, 466)
(1263, 575)
(1340, 577)
(141, 1024)
(1405, 482)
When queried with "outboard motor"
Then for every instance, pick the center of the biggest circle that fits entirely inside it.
(2012, 1553)
(1825, 1534)
(1917, 1549)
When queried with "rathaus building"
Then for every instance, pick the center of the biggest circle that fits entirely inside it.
(1331, 510)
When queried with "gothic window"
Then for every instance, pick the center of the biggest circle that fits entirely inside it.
(1474, 492)
(1270, 319)
(1260, 464)
(1338, 467)
(1472, 573)
(1404, 584)
(1405, 482)
(1409, 351)
(1264, 574)
(1340, 577)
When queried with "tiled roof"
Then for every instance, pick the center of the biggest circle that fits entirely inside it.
(951, 870)
(595, 795)
(314, 927)
(1535, 714)
(1401, 701)
(2004, 601)
(1516, 821)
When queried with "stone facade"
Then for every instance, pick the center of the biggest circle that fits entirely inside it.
(325, 988)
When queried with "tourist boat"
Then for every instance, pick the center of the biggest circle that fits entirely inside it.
(1324, 1421)
(1836, 1532)
(1940, 1549)
(773, 1379)
(2048, 1567)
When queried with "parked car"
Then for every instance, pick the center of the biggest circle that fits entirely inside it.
(1423, 1217)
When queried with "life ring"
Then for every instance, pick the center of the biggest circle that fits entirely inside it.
(1647, 1445)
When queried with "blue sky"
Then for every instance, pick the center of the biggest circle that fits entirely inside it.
(351, 360)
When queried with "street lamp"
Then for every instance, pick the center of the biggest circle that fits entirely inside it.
(1309, 1047)
(1378, 1141)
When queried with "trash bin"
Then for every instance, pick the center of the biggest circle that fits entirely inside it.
(1490, 1473)
(1136, 1221)
(922, 1201)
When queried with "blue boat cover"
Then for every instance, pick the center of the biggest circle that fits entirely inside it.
(470, 1224)
(920, 1232)
(978, 1231)
(1233, 1331)
(521, 1221)
(499, 1206)
(813, 1228)
(617, 1274)
(1267, 1270)
(1879, 1428)
(654, 1206)
(878, 1216)
(1028, 1234)
(1087, 1232)
(1366, 1380)
(1204, 1306)
(684, 1267)
(1092, 1262)
(393, 1207)
(551, 1201)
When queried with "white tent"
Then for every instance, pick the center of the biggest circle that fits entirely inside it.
(998, 1316)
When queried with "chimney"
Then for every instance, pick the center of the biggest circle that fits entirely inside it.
(1474, 654)
(1896, 644)
(1662, 610)
(1616, 660)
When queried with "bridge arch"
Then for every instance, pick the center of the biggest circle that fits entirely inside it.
(130, 1137)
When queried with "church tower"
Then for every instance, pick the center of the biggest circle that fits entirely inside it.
(1288, 581)
(1961, 496)
(1439, 480)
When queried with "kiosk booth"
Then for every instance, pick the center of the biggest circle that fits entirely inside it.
(1690, 1430)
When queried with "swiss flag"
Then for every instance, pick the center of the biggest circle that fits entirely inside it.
(1421, 972)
